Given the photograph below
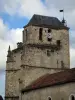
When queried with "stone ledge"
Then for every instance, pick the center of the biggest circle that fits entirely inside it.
(13, 70)
(43, 46)
(23, 66)
(11, 96)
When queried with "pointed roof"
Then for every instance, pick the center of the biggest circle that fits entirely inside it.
(46, 21)
(9, 48)
(49, 80)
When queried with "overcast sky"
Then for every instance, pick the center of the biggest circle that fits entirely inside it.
(15, 14)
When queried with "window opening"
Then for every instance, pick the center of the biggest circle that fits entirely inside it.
(52, 50)
(26, 35)
(49, 35)
(49, 30)
(40, 34)
(48, 53)
(49, 98)
(62, 64)
(72, 97)
(58, 42)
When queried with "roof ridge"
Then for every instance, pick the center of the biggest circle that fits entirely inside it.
(44, 16)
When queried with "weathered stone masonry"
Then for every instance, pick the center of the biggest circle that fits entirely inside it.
(37, 55)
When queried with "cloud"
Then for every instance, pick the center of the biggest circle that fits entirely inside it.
(68, 5)
(22, 7)
(8, 37)
(3, 29)
(72, 39)
(26, 8)
(2, 83)
(9, 7)
(72, 57)
(14, 36)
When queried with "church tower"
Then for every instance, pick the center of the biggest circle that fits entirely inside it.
(46, 48)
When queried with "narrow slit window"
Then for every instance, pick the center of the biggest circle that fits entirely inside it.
(26, 37)
(72, 97)
(58, 42)
(40, 33)
(49, 98)
(48, 53)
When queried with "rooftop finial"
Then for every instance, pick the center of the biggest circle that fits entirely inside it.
(63, 20)
(9, 48)
(9, 55)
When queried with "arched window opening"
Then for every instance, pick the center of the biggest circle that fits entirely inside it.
(40, 33)
(49, 98)
(72, 97)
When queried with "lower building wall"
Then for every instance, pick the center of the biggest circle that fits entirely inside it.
(12, 77)
(60, 92)
(12, 84)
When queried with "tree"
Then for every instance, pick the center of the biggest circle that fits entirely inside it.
(1, 97)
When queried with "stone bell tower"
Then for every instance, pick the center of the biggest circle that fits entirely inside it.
(46, 48)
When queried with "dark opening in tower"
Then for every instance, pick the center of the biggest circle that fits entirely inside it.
(40, 33)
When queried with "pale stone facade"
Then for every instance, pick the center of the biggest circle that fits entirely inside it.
(38, 56)
(59, 92)
(35, 58)
(12, 75)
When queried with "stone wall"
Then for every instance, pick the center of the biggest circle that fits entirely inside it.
(36, 62)
(12, 83)
(33, 62)
(12, 76)
(38, 57)
(29, 74)
(59, 92)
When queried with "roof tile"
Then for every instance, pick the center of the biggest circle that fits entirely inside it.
(46, 21)
(47, 80)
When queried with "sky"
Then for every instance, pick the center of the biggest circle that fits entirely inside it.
(14, 14)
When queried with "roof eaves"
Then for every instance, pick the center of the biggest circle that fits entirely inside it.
(42, 87)
(48, 26)
(52, 79)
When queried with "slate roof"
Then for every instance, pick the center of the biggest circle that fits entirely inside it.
(46, 21)
(49, 80)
